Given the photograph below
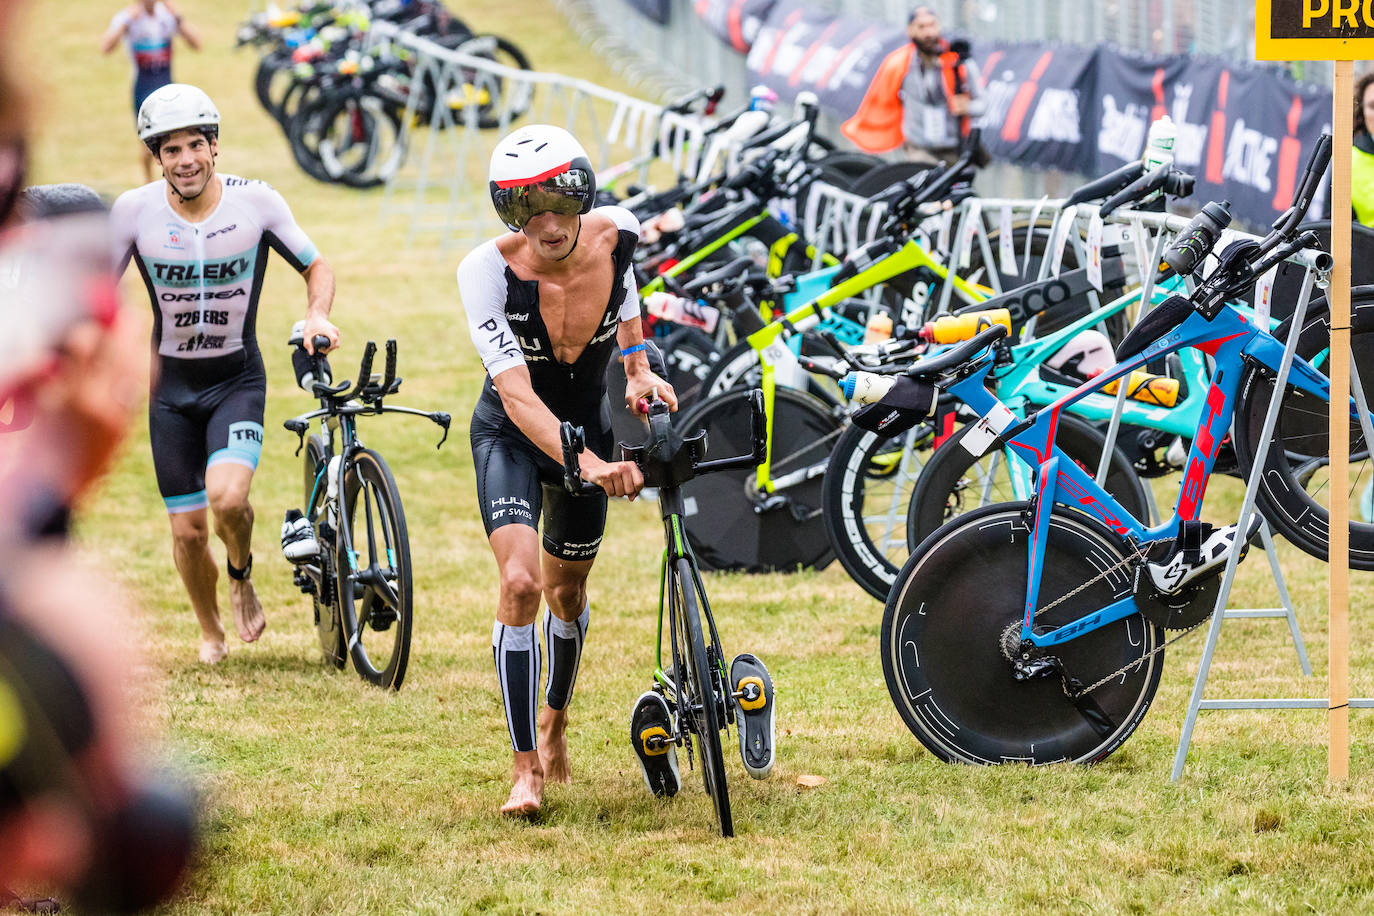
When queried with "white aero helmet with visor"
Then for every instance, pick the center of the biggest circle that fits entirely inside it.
(176, 106)
(540, 168)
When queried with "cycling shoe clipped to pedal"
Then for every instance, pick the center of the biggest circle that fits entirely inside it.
(298, 543)
(753, 700)
(1182, 587)
(651, 734)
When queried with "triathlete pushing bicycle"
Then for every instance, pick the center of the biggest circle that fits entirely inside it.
(547, 306)
(200, 241)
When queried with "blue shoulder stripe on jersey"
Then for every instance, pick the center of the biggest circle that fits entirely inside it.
(307, 255)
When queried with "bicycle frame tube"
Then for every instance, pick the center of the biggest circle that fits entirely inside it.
(1230, 339)
(772, 352)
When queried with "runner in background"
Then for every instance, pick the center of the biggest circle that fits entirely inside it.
(148, 27)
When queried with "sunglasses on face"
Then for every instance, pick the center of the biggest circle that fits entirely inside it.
(565, 194)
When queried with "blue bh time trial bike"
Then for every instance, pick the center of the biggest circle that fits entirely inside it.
(1033, 631)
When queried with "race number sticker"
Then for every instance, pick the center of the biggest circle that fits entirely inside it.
(1006, 245)
(1061, 237)
(968, 228)
(1095, 251)
(1030, 235)
(983, 433)
(946, 223)
(1264, 295)
(776, 352)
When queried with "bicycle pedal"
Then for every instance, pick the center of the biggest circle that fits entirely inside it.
(753, 700)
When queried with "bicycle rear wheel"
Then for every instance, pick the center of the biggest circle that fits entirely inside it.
(729, 524)
(1294, 490)
(703, 689)
(953, 481)
(955, 614)
(865, 496)
(374, 580)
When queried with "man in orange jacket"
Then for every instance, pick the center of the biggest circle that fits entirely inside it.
(923, 98)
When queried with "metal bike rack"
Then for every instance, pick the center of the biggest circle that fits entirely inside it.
(1196, 701)
(443, 189)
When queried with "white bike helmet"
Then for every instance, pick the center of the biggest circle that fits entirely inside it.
(540, 168)
(175, 106)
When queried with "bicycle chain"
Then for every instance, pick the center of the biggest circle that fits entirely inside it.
(1073, 695)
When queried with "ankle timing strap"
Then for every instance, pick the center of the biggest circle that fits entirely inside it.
(238, 575)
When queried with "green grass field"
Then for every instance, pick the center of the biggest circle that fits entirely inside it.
(322, 795)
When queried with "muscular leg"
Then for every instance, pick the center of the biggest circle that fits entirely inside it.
(191, 552)
(517, 557)
(565, 589)
(226, 487)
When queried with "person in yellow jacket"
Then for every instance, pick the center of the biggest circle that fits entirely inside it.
(922, 100)
(1362, 159)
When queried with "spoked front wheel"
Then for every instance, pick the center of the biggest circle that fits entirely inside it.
(374, 577)
(951, 636)
(702, 692)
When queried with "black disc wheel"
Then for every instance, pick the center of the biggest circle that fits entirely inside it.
(952, 625)
(1294, 491)
(866, 493)
(702, 693)
(328, 623)
(953, 481)
(730, 525)
(374, 579)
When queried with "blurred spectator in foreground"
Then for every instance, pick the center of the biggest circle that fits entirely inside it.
(78, 814)
(923, 99)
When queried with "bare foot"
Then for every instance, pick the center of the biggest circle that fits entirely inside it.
(213, 651)
(553, 745)
(248, 615)
(527, 794)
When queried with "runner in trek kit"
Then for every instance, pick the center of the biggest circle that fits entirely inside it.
(547, 307)
(201, 242)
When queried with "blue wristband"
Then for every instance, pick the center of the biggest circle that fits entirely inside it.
(629, 351)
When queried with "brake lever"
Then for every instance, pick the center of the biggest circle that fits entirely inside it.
(443, 419)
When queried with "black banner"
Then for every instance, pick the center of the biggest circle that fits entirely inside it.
(802, 49)
(1244, 131)
(657, 10)
(1036, 97)
(735, 22)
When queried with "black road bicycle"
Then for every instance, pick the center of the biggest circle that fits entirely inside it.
(360, 579)
(697, 686)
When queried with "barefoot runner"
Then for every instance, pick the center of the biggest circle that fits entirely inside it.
(200, 241)
(547, 306)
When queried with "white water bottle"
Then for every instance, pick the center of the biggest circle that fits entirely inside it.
(686, 312)
(866, 387)
(1159, 144)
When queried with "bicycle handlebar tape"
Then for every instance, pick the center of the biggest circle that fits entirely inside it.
(305, 364)
(906, 403)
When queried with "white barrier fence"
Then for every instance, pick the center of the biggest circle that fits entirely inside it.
(442, 187)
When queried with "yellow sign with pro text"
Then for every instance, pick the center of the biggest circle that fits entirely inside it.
(1314, 29)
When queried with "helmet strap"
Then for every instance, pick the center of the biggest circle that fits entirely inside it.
(575, 238)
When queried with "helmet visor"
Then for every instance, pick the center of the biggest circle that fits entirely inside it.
(567, 193)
